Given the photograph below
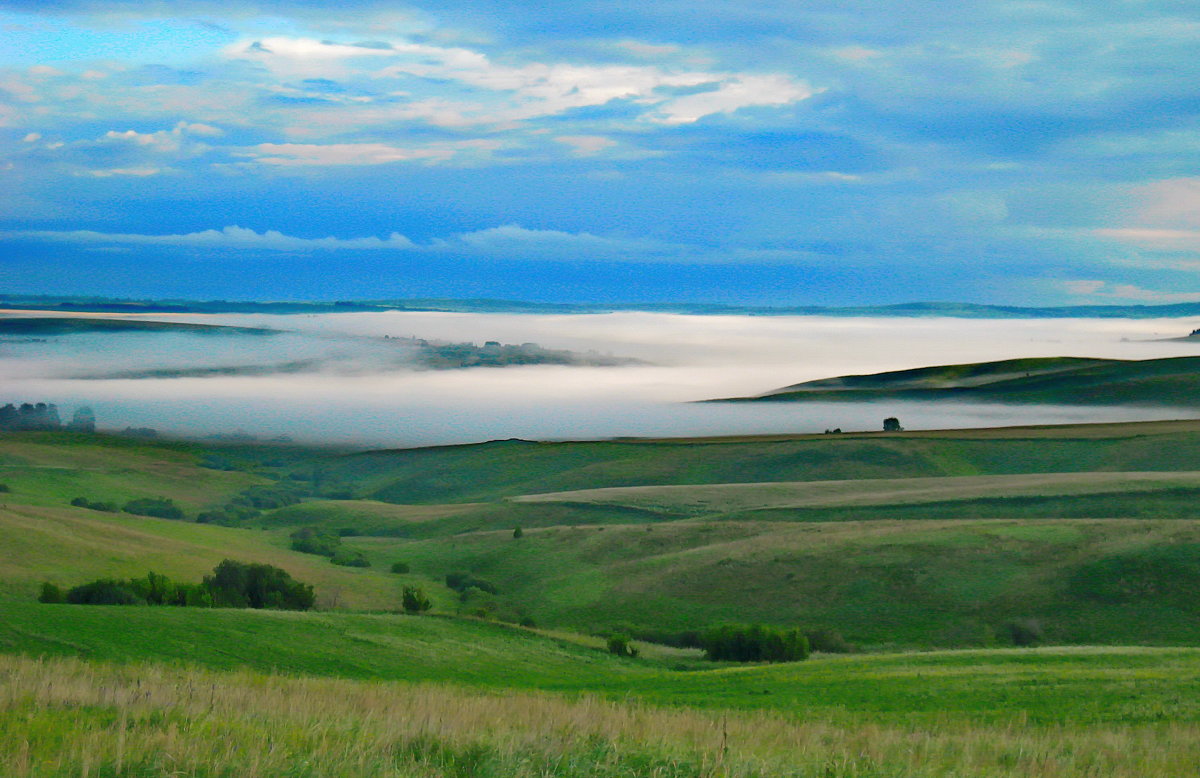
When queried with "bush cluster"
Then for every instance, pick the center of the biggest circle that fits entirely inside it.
(232, 585)
(311, 540)
(619, 644)
(322, 542)
(754, 643)
(158, 507)
(83, 502)
(461, 582)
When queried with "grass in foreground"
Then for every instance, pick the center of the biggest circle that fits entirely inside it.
(1046, 687)
(72, 718)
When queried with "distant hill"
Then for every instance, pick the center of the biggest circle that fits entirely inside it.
(1173, 381)
(34, 326)
(483, 305)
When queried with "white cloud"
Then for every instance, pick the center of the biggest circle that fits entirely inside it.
(302, 57)
(312, 154)
(740, 92)
(856, 54)
(232, 237)
(509, 93)
(509, 240)
(586, 145)
(515, 236)
(648, 50)
(1152, 236)
(1170, 203)
(136, 172)
(32, 137)
(1126, 292)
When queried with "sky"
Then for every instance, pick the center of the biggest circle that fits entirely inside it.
(767, 152)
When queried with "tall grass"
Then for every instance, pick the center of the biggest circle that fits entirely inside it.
(67, 717)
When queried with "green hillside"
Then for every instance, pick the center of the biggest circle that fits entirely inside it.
(914, 583)
(1173, 381)
(1051, 685)
(717, 500)
(899, 542)
(490, 471)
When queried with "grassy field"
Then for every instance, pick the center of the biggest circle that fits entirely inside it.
(491, 471)
(721, 499)
(1045, 686)
(913, 540)
(914, 583)
(68, 718)
(70, 546)
(54, 468)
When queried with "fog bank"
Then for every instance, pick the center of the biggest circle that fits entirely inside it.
(355, 396)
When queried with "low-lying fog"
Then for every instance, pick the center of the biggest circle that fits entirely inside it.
(361, 393)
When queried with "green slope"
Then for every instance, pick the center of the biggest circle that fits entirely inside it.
(1129, 685)
(70, 546)
(490, 471)
(1173, 381)
(911, 583)
(716, 500)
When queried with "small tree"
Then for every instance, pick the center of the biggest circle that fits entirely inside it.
(892, 424)
(518, 532)
(414, 600)
(619, 645)
(51, 593)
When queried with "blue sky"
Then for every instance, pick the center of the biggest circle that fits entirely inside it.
(714, 150)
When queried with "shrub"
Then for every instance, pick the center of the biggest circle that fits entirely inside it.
(618, 645)
(220, 518)
(158, 507)
(83, 502)
(51, 593)
(241, 585)
(518, 532)
(266, 497)
(347, 558)
(688, 638)
(4, 489)
(460, 582)
(103, 592)
(232, 584)
(754, 643)
(1025, 632)
(527, 621)
(400, 568)
(310, 540)
(414, 600)
(828, 641)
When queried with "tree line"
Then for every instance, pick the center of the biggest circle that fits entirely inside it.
(232, 585)
(44, 416)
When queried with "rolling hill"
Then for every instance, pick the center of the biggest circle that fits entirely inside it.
(1173, 381)
(899, 541)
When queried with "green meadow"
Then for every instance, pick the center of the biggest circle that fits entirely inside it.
(923, 550)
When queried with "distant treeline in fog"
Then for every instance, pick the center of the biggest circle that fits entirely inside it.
(44, 416)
